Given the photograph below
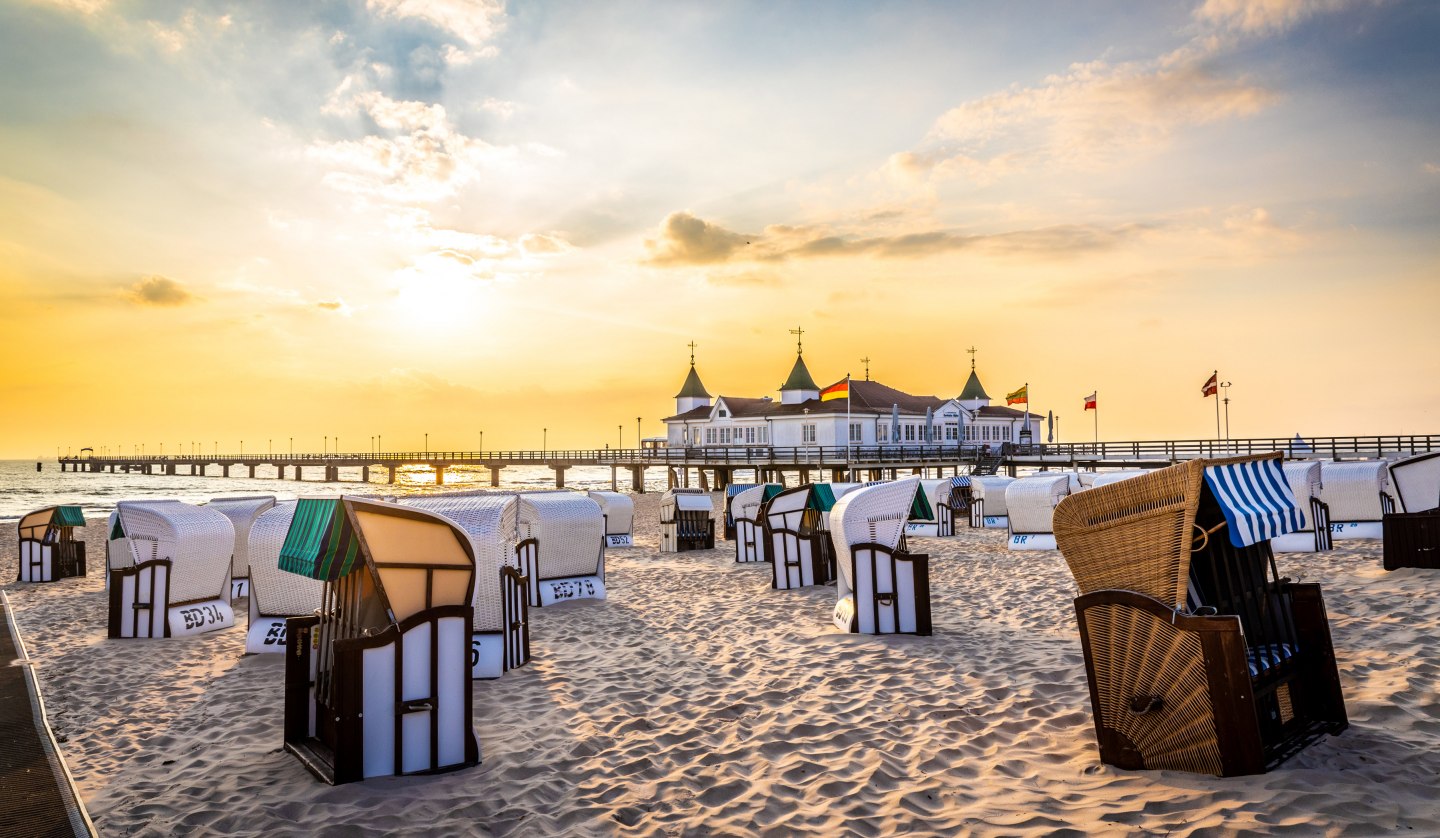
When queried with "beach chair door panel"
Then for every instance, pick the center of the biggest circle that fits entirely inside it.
(36, 561)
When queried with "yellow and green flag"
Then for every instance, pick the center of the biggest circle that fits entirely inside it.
(1022, 395)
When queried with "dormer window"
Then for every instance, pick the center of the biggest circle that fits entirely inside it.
(722, 413)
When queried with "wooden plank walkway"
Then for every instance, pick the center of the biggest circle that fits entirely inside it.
(36, 794)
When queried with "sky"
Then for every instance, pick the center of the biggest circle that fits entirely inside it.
(247, 223)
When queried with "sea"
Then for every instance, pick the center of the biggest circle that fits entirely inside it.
(23, 489)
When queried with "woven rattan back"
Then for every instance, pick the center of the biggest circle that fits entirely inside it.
(1133, 535)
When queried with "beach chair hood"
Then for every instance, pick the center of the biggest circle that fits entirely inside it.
(1417, 482)
(197, 540)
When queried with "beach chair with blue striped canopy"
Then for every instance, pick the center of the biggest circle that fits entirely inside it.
(1199, 656)
(748, 509)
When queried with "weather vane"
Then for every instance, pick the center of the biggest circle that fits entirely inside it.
(692, 353)
(799, 334)
(866, 362)
(971, 350)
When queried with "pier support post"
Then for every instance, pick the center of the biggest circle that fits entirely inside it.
(299, 473)
(637, 479)
(225, 470)
(700, 478)
(279, 472)
(671, 479)
(332, 474)
(495, 476)
(559, 476)
(439, 474)
(722, 479)
(251, 466)
(613, 480)
(364, 474)
(391, 478)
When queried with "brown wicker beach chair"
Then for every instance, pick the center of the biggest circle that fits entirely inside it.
(1200, 658)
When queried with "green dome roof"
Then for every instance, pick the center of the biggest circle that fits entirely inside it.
(799, 377)
(973, 390)
(692, 388)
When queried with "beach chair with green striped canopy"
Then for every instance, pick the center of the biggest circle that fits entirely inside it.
(378, 683)
(49, 550)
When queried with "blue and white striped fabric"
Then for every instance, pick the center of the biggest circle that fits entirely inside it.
(960, 480)
(1256, 500)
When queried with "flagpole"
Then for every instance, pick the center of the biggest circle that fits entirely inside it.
(1217, 405)
(1097, 419)
(847, 419)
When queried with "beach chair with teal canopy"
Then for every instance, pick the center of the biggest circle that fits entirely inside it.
(48, 548)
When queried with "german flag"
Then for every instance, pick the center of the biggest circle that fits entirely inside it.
(838, 390)
(1019, 396)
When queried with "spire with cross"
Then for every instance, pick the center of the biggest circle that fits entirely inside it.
(692, 353)
(799, 333)
(971, 350)
(866, 362)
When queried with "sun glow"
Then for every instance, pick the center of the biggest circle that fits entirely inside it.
(440, 297)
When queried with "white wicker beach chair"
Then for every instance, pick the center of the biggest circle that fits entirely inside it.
(242, 512)
(1358, 497)
(48, 550)
(1304, 480)
(561, 546)
(177, 579)
(377, 682)
(275, 595)
(1105, 478)
(954, 506)
(619, 511)
(500, 638)
(1030, 502)
(987, 502)
(750, 524)
(685, 521)
(797, 548)
(1417, 482)
(882, 588)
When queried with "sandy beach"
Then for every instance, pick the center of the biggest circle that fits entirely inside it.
(697, 701)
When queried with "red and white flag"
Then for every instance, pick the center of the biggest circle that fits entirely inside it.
(1212, 385)
(1090, 401)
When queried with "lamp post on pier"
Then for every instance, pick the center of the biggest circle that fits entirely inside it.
(638, 445)
(1225, 385)
(619, 437)
(544, 440)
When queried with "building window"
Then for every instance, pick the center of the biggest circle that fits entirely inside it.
(952, 433)
(722, 413)
(749, 436)
(909, 433)
(763, 434)
(709, 436)
(855, 432)
(807, 433)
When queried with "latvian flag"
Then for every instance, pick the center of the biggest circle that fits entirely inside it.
(1090, 401)
(1021, 395)
(839, 390)
(1212, 384)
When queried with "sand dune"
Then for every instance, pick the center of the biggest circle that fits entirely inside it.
(697, 701)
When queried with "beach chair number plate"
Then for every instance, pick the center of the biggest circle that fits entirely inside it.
(564, 590)
(996, 521)
(626, 540)
(266, 634)
(844, 615)
(1357, 529)
(200, 617)
(239, 588)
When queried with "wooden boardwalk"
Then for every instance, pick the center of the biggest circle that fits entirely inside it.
(721, 463)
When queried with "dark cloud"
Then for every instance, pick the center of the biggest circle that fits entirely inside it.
(159, 291)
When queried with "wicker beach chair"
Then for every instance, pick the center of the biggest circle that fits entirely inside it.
(619, 512)
(1030, 502)
(1105, 478)
(1303, 477)
(750, 522)
(1412, 533)
(500, 627)
(378, 683)
(1199, 657)
(48, 548)
(987, 502)
(275, 595)
(797, 547)
(242, 512)
(1358, 497)
(953, 507)
(732, 491)
(560, 546)
(174, 578)
(882, 588)
(685, 522)
(925, 516)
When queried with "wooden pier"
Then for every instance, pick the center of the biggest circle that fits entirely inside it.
(716, 466)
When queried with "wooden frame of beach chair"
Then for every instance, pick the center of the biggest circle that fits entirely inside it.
(685, 521)
(1412, 531)
(48, 549)
(274, 595)
(797, 548)
(242, 512)
(619, 512)
(1199, 656)
(882, 588)
(732, 491)
(1355, 493)
(560, 547)
(1030, 502)
(1304, 478)
(174, 577)
(500, 626)
(377, 683)
(987, 503)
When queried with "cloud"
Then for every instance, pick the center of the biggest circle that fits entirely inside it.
(84, 7)
(474, 22)
(1261, 17)
(158, 291)
(338, 306)
(1431, 168)
(744, 279)
(687, 240)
